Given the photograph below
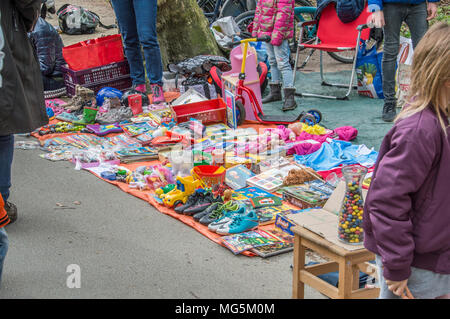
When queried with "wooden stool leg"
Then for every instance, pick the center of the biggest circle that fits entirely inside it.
(298, 287)
(345, 279)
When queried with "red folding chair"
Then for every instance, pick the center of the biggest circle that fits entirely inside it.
(333, 36)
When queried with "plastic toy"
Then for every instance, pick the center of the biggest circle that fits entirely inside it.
(248, 106)
(102, 130)
(164, 190)
(185, 186)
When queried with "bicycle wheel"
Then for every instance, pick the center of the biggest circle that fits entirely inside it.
(245, 21)
(207, 5)
(233, 8)
(343, 56)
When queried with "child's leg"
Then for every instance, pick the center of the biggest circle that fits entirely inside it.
(394, 15)
(282, 53)
(274, 72)
(417, 21)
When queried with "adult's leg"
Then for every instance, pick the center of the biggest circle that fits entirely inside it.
(126, 19)
(393, 15)
(146, 12)
(6, 157)
(416, 20)
(4, 243)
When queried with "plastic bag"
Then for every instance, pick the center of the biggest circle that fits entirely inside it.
(368, 72)
(223, 30)
(403, 74)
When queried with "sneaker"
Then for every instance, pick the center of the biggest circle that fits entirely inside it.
(206, 211)
(218, 212)
(389, 111)
(11, 211)
(192, 199)
(240, 224)
(141, 88)
(228, 217)
(157, 94)
(202, 204)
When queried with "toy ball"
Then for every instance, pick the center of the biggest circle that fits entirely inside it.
(50, 112)
(125, 96)
(108, 92)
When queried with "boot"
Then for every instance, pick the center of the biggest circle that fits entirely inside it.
(11, 211)
(275, 93)
(389, 111)
(89, 115)
(289, 99)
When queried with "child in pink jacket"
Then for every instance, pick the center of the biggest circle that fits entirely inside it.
(275, 18)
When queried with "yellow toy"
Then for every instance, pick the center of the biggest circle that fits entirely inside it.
(185, 186)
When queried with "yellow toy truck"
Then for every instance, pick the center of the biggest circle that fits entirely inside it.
(185, 186)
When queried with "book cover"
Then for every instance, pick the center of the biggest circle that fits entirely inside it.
(236, 177)
(134, 129)
(306, 194)
(244, 241)
(285, 245)
(250, 192)
(265, 201)
(267, 215)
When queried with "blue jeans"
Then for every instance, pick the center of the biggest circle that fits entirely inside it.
(415, 16)
(4, 243)
(137, 23)
(6, 157)
(279, 64)
(423, 284)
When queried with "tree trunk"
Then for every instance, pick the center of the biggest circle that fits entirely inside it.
(183, 31)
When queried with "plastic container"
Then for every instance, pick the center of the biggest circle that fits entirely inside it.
(171, 83)
(210, 111)
(108, 72)
(350, 222)
(120, 84)
(94, 52)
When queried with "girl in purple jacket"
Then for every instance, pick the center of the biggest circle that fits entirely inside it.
(407, 210)
(275, 18)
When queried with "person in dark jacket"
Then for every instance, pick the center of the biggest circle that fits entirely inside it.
(390, 15)
(48, 46)
(406, 217)
(22, 105)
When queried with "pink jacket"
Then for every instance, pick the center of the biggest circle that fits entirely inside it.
(274, 18)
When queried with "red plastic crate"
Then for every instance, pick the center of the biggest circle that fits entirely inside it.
(210, 111)
(103, 73)
(122, 84)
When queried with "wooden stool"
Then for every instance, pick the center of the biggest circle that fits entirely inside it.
(347, 262)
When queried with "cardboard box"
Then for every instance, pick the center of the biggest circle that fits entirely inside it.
(284, 223)
(324, 221)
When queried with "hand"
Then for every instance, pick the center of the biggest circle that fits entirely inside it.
(397, 287)
(377, 19)
(431, 9)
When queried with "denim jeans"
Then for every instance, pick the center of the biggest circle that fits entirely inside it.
(4, 243)
(6, 157)
(279, 64)
(415, 16)
(137, 23)
(423, 284)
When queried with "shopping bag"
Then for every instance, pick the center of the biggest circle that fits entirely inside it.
(403, 74)
(368, 72)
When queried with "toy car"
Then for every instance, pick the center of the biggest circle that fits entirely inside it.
(185, 186)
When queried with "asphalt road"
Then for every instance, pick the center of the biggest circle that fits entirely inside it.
(123, 246)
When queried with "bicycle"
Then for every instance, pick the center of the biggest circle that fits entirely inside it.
(215, 9)
(304, 11)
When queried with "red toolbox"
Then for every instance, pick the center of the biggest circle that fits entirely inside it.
(210, 111)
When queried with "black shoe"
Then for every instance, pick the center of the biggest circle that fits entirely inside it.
(202, 204)
(11, 211)
(274, 95)
(389, 111)
(192, 199)
(289, 99)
